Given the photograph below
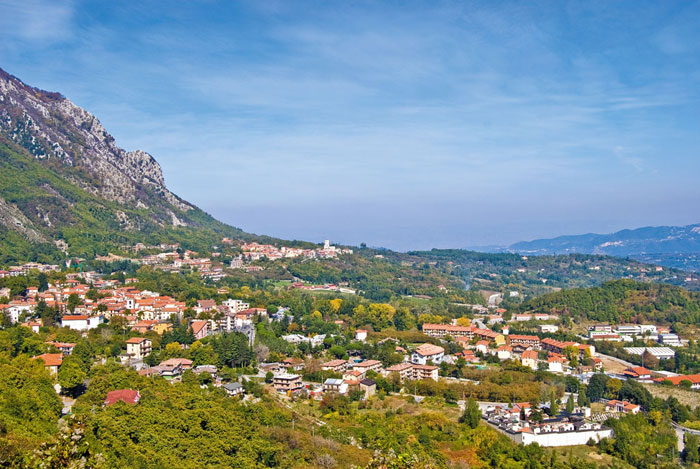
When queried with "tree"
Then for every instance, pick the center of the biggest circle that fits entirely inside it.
(404, 319)
(613, 387)
(205, 378)
(553, 406)
(73, 301)
(690, 453)
(172, 350)
(232, 349)
(582, 398)
(43, 281)
(570, 404)
(649, 360)
(41, 309)
(83, 351)
(471, 415)
(335, 305)
(203, 355)
(71, 376)
(596, 387)
(338, 351)
(536, 416)
(261, 352)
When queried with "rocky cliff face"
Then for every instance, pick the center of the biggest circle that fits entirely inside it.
(67, 189)
(50, 127)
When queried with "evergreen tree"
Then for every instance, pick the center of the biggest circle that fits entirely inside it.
(471, 415)
(553, 406)
(570, 404)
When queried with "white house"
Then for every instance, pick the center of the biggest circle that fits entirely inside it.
(428, 352)
(82, 322)
(555, 364)
(504, 352)
(335, 385)
(16, 308)
(548, 328)
(138, 347)
(236, 306)
(361, 335)
(482, 346)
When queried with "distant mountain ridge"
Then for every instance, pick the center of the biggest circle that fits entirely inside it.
(673, 246)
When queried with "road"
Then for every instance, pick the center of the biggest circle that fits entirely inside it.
(680, 432)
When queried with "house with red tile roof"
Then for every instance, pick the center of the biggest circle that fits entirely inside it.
(138, 347)
(637, 372)
(427, 352)
(622, 407)
(128, 396)
(200, 329)
(677, 380)
(524, 341)
(529, 358)
(335, 365)
(52, 361)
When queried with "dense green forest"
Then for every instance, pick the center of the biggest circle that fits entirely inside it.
(623, 301)
(57, 208)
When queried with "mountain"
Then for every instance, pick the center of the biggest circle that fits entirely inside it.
(65, 185)
(672, 246)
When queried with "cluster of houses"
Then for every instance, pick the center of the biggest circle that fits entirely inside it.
(256, 251)
(353, 375)
(520, 425)
(524, 348)
(173, 261)
(143, 310)
(629, 332)
(17, 270)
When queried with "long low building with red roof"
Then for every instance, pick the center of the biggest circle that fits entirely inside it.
(524, 341)
(677, 380)
(413, 371)
(556, 346)
(442, 330)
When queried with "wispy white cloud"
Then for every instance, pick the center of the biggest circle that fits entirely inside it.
(36, 20)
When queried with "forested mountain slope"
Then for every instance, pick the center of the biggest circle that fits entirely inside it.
(63, 178)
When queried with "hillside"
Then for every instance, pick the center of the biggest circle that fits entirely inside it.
(622, 301)
(63, 179)
(537, 275)
(673, 246)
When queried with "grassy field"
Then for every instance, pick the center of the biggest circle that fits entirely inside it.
(589, 455)
(612, 366)
(684, 396)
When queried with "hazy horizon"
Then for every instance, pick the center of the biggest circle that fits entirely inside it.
(405, 125)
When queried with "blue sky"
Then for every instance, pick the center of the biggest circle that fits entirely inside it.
(400, 124)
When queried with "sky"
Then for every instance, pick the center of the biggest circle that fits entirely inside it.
(401, 124)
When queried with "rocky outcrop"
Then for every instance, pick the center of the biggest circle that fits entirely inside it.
(51, 127)
(13, 219)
